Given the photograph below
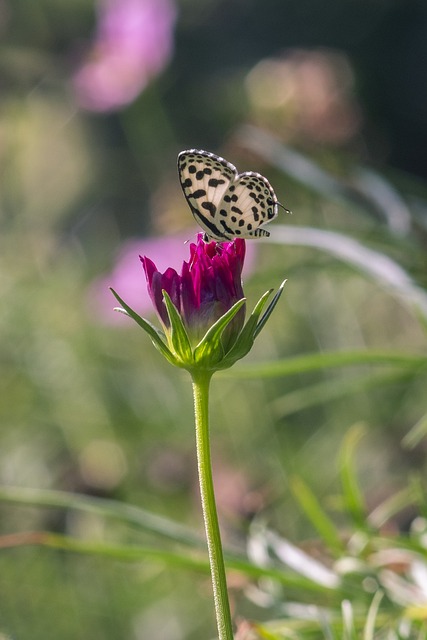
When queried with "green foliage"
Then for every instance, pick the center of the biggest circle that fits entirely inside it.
(364, 583)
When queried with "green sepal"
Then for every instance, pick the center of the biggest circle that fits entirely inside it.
(178, 337)
(269, 311)
(246, 337)
(210, 351)
(155, 335)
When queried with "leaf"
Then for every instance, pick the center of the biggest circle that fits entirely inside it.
(245, 339)
(210, 349)
(270, 309)
(155, 335)
(178, 333)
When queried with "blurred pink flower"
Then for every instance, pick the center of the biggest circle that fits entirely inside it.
(132, 44)
(126, 277)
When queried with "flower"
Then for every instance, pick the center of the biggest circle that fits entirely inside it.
(125, 275)
(133, 43)
(209, 285)
(202, 310)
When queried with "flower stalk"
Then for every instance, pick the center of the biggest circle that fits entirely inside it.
(201, 384)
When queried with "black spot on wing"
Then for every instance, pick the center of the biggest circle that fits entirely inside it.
(215, 182)
(199, 193)
(232, 198)
(209, 206)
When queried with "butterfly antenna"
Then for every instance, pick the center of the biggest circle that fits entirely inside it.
(283, 207)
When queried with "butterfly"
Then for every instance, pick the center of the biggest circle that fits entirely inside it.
(225, 203)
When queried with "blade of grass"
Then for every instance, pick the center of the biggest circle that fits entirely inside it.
(371, 620)
(353, 498)
(349, 632)
(124, 553)
(416, 434)
(130, 514)
(317, 361)
(136, 553)
(317, 516)
(393, 505)
(332, 389)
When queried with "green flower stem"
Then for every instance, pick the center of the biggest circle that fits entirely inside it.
(201, 381)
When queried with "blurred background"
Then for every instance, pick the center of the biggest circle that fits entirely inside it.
(328, 100)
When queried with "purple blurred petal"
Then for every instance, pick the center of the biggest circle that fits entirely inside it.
(133, 43)
(127, 276)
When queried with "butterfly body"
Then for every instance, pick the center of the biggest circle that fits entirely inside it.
(225, 203)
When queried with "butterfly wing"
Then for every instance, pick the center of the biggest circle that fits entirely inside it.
(225, 204)
(204, 179)
(247, 204)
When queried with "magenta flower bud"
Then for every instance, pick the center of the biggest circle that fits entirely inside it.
(210, 283)
(202, 310)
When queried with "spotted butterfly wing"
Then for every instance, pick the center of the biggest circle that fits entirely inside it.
(225, 203)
